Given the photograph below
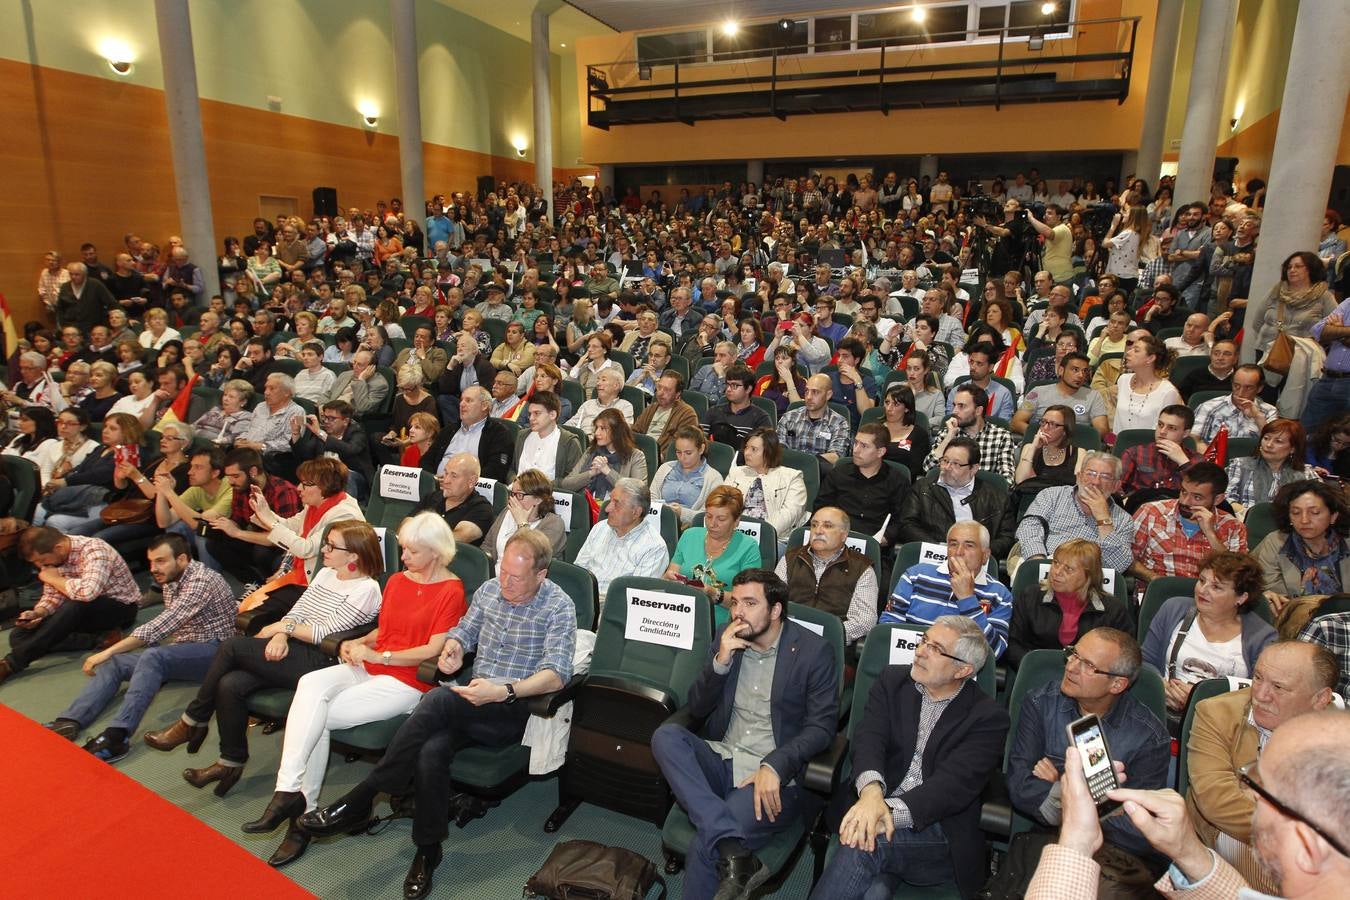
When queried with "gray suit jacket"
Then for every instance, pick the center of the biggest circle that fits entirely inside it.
(367, 395)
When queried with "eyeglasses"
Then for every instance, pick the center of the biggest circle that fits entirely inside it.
(1071, 656)
(1098, 476)
(1046, 423)
(518, 495)
(309, 484)
(329, 546)
(953, 464)
(1250, 775)
(937, 648)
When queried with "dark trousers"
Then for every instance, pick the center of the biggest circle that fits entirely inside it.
(238, 670)
(424, 747)
(98, 615)
(248, 562)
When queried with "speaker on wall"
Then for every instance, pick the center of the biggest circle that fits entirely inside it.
(325, 201)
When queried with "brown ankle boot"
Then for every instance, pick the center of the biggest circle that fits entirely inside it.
(225, 777)
(179, 732)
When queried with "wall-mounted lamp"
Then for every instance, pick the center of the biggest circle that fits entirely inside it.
(121, 58)
(370, 114)
(1238, 110)
(1036, 42)
(520, 145)
(1047, 9)
(730, 27)
(644, 73)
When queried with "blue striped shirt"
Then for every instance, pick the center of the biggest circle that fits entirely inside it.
(516, 641)
(924, 593)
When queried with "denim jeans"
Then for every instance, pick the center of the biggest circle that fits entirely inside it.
(146, 670)
(1328, 397)
(918, 858)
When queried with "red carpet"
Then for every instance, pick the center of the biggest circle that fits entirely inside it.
(76, 827)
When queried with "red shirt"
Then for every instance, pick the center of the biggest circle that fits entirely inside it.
(410, 614)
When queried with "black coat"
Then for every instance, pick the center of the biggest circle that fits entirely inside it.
(927, 513)
(1036, 619)
(496, 450)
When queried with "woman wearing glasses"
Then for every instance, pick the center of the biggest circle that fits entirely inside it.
(1068, 603)
(1050, 459)
(529, 504)
(342, 595)
(379, 681)
(1214, 634)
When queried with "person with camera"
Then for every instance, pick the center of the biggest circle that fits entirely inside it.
(1057, 252)
(207, 492)
(1009, 248)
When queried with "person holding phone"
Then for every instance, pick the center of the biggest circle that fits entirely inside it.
(1098, 672)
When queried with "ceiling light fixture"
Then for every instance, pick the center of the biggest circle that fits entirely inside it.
(370, 113)
(785, 25)
(1047, 9)
(730, 27)
(918, 13)
(121, 58)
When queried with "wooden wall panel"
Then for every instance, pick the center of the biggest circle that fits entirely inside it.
(88, 159)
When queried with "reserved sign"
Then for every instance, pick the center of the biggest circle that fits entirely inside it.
(655, 617)
(903, 645)
(487, 489)
(401, 483)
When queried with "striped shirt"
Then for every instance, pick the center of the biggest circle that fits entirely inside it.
(924, 593)
(607, 556)
(92, 570)
(199, 608)
(330, 604)
(515, 641)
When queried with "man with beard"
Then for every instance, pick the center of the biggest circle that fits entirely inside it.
(1171, 537)
(1070, 390)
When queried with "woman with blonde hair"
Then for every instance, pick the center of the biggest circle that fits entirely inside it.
(422, 430)
(1070, 601)
(344, 595)
(379, 681)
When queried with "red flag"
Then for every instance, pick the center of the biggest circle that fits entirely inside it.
(1217, 451)
(184, 400)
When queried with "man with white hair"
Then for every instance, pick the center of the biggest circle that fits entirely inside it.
(83, 302)
(621, 543)
(960, 585)
(1082, 510)
(275, 424)
(928, 741)
(608, 385)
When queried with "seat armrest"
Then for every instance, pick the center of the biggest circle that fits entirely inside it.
(427, 673)
(638, 689)
(822, 771)
(996, 812)
(251, 621)
(684, 718)
(331, 644)
(547, 705)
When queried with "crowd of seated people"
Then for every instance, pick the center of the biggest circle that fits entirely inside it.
(939, 433)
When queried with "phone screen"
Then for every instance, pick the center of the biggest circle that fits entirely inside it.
(1086, 734)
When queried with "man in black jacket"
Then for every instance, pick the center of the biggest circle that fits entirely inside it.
(926, 745)
(477, 434)
(334, 432)
(872, 491)
(768, 701)
(466, 368)
(930, 507)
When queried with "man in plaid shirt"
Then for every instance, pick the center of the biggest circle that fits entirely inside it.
(1159, 465)
(243, 470)
(815, 428)
(969, 402)
(1171, 537)
(198, 614)
(87, 589)
(1333, 632)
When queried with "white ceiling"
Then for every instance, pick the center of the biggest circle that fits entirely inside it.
(513, 16)
(645, 15)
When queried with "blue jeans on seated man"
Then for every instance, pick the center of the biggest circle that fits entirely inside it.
(1326, 398)
(197, 542)
(918, 858)
(146, 670)
(703, 784)
(88, 523)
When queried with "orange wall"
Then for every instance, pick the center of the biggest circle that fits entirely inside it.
(88, 159)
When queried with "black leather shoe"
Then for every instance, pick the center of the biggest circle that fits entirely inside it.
(340, 818)
(738, 876)
(283, 805)
(418, 883)
(292, 846)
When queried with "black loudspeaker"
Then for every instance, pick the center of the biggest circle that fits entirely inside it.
(486, 185)
(325, 201)
(1340, 192)
(1225, 167)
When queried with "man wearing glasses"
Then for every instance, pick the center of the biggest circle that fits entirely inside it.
(334, 433)
(917, 817)
(951, 493)
(1098, 671)
(1084, 510)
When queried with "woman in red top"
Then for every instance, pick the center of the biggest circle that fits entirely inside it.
(378, 677)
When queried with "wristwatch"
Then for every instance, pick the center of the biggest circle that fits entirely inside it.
(510, 693)
(289, 627)
(386, 656)
(1103, 522)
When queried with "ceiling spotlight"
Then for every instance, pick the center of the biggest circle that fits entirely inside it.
(730, 27)
(370, 114)
(1047, 9)
(785, 24)
(918, 13)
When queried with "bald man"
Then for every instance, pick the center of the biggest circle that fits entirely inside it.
(814, 428)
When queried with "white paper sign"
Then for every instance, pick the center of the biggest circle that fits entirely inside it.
(654, 517)
(903, 644)
(400, 483)
(750, 528)
(379, 533)
(970, 276)
(655, 617)
(932, 554)
(562, 505)
(487, 488)
(1237, 684)
(1108, 576)
(809, 626)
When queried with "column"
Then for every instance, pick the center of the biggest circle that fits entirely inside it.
(185, 138)
(754, 171)
(1166, 27)
(403, 25)
(928, 165)
(1316, 86)
(606, 176)
(543, 101)
(1204, 102)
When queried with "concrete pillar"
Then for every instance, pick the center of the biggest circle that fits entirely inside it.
(185, 139)
(1316, 86)
(1160, 69)
(754, 171)
(403, 24)
(928, 165)
(1129, 170)
(543, 103)
(1204, 102)
(606, 177)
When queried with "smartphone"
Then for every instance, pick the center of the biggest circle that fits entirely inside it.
(1087, 735)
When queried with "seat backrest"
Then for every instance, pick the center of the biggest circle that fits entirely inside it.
(650, 449)
(769, 407)
(768, 538)
(697, 399)
(1260, 521)
(1158, 592)
(1202, 396)
(870, 548)
(828, 626)
(809, 466)
(391, 511)
(287, 366)
(624, 359)
(634, 396)
(571, 390)
(472, 567)
(1210, 687)
(23, 474)
(1131, 437)
(658, 665)
(580, 585)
